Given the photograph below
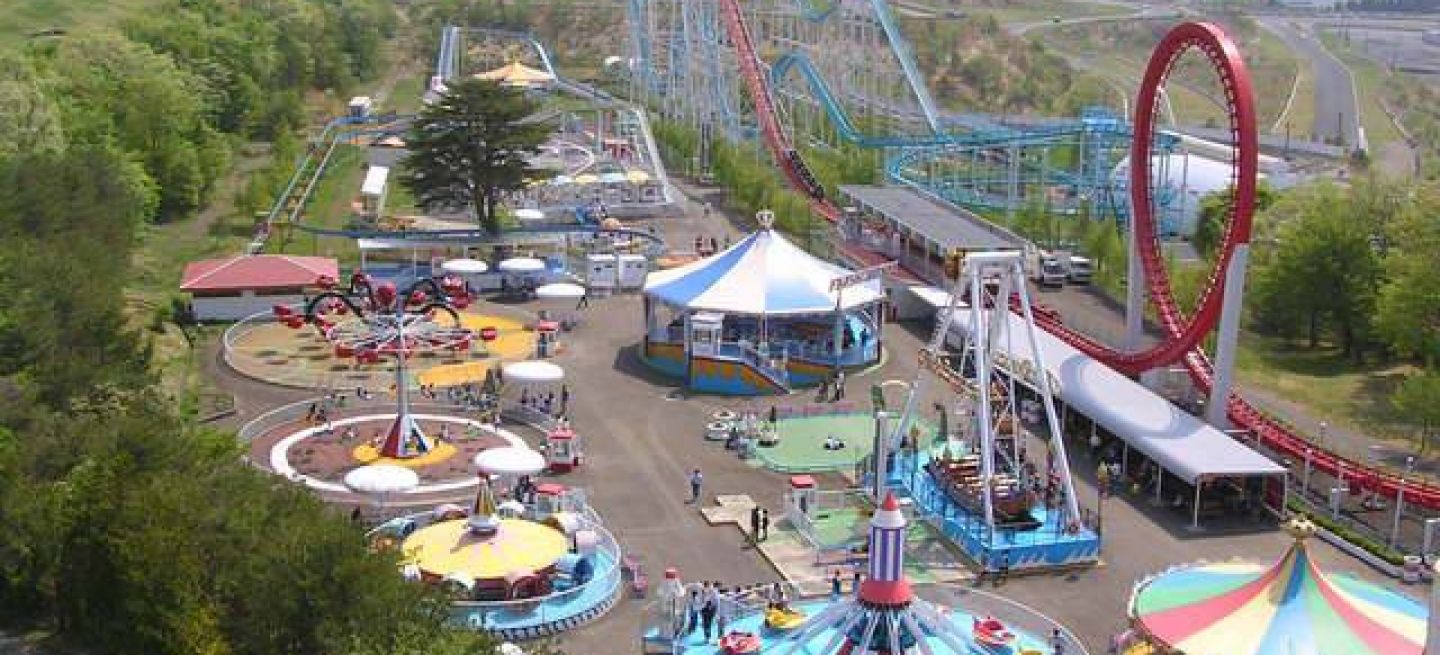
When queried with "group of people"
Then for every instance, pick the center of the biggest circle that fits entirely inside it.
(832, 388)
(706, 246)
(547, 403)
(709, 606)
(759, 524)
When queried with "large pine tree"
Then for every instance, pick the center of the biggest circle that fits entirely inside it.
(473, 145)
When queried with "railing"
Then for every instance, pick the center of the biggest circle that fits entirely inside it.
(340, 402)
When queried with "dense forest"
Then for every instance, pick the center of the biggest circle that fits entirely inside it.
(128, 529)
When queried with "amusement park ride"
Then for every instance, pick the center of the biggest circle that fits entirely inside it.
(385, 322)
(830, 59)
(687, 53)
(991, 479)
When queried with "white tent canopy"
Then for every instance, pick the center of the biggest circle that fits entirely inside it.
(533, 372)
(522, 265)
(762, 274)
(529, 214)
(1180, 443)
(560, 291)
(464, 266)
(510, 460)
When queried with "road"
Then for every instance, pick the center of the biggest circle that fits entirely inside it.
(1337, 113)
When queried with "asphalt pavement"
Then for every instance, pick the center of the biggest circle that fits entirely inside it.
(1336, 107)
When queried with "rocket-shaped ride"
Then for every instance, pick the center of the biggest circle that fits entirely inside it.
(885, 618)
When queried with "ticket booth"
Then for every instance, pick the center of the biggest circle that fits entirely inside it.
(705, 334)
(562, 448)
(802, 496)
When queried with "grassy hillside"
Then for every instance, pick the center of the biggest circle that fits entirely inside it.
(20, 19)
(1122, 49)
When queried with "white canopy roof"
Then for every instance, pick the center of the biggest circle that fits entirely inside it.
(522, 265)
(529, 214)
(560, 291)
(375, 178)
(464, 266)
(1182, 444)
(762, 274)
(509, 460)
(382, 479)
(532, 371)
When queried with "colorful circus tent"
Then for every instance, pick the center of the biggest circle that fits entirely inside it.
(1289, 608)
(763, 274)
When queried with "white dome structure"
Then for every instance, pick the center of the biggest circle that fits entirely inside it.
(1182, 180)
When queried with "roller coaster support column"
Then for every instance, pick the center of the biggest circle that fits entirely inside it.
(1228, 337)
(1134, 291)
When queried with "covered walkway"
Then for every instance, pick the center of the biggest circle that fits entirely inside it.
(1202, 458)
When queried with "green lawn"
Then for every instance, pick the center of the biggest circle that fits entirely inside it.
(1122, 49)
(1324, 383)
(22, 18)
(330, 206)
(1028, 12)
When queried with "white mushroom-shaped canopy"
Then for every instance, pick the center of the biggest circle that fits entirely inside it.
(382, 479)
(510, 460)
(532, 372)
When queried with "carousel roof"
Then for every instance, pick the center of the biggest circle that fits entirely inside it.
(1290, 608)
(762, 274)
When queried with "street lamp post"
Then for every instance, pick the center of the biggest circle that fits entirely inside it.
(1400, 503)
(1305, 481)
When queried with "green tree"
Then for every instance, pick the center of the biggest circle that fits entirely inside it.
(1408, 309)
(472, 146)
(1322, 273)
(1417, 399)
(1214, 209)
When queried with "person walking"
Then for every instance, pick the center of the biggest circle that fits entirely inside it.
(764, 524)
(1004, 575)
(755, 524)
(584, 299)
(1057, 642)
(697, 480)
(855, 582)
(710, 600)
(564, 399)
(840, 385)
(835, 585)
(692, 609)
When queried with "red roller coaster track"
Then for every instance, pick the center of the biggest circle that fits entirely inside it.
(1184, 334)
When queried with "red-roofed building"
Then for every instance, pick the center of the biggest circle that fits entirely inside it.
(232, 288)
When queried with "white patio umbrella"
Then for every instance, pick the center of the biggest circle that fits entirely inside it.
(381, 480)
(529, 214)
(465, 266)
(510, 461)
(532, 372)
(522, 265)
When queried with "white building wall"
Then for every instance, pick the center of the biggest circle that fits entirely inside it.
(234, 308)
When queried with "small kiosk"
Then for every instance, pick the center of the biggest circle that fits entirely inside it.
(562, 448)
(802, 498)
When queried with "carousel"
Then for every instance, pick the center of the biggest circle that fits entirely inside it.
(760, 317)
(1291, 607)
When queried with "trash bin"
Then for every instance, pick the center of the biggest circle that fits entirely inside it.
(1411, 571)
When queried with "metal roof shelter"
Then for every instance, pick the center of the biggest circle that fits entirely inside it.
(941, 223)
(1182, 444)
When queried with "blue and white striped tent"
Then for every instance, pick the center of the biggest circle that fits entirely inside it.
(763, 274)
